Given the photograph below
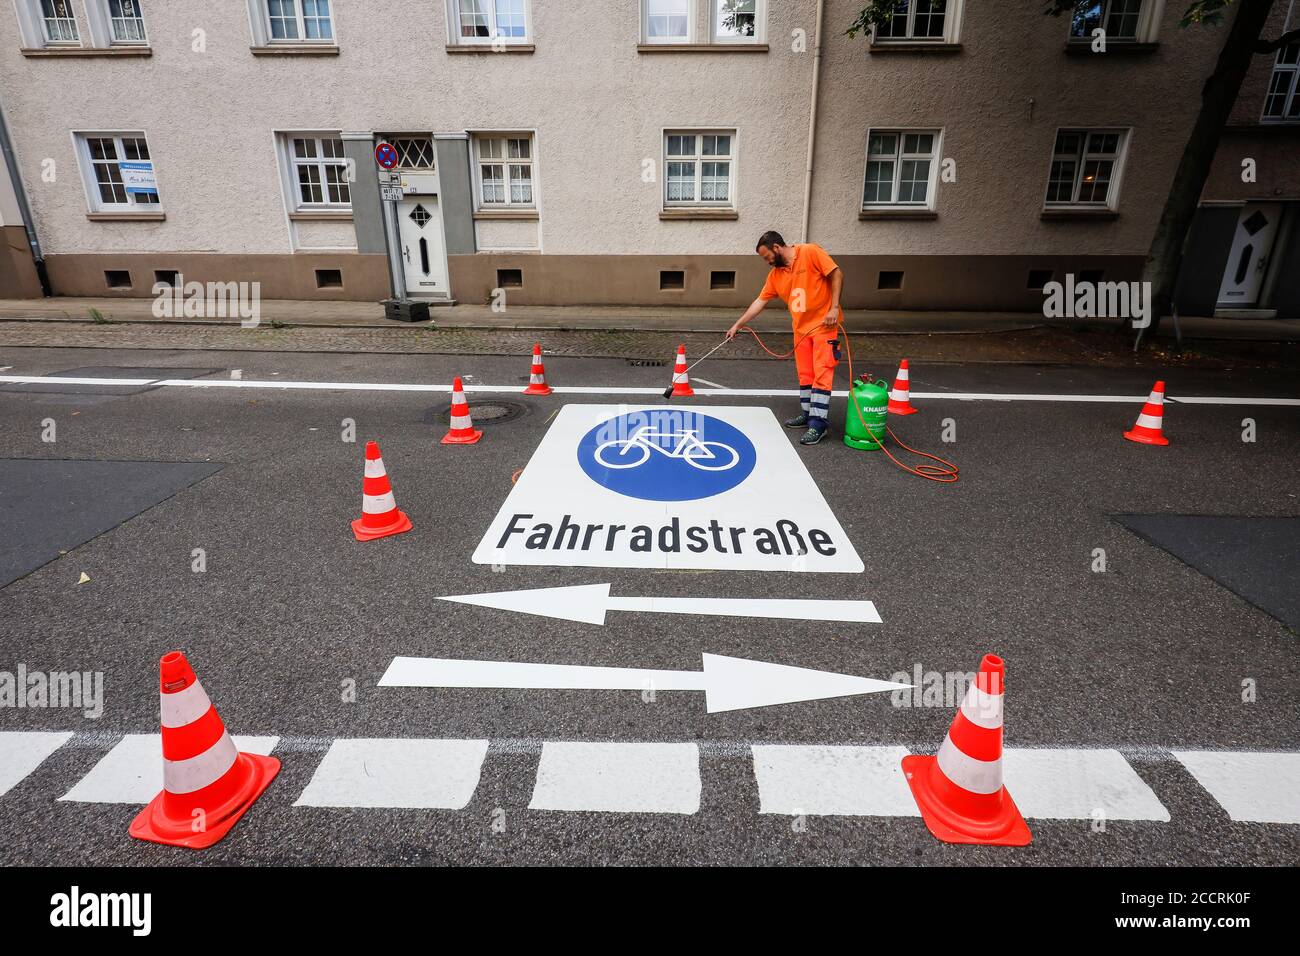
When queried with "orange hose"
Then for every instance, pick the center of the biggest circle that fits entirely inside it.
(944, 471)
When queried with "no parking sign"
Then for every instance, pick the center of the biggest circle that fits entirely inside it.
(664, 487)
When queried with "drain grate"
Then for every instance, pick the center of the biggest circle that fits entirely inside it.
(490, 413)
(646, 363)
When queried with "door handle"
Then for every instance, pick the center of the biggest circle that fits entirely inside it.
(406, 251)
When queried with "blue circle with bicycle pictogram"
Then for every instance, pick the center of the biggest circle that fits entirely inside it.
(666, 454)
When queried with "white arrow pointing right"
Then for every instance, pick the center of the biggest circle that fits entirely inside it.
(729, 683)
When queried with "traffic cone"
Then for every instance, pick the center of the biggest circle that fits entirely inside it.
(681, 382)
(900, 395)
(379, 514)
(1149, 427)
(959, 791)
(207, 783)
(462, 426)
(537, 378)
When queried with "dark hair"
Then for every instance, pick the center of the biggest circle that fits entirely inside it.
(771, 239)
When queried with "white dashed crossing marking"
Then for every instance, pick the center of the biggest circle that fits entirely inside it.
(855, 780)
(1254, 787)
(21, 752)
(132, 772)
(868, 781)
(1078, 785)
(618, 778)
(833, 781)
(419, 774)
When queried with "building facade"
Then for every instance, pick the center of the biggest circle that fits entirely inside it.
(627, 152)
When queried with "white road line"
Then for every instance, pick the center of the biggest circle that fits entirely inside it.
(1078, 785)
(635, 390)
(833, 781)
(618, 778)
(867, 781)
(705, 381)
(1253, 787)
(21, 752)
(409, 773)
(132, 772)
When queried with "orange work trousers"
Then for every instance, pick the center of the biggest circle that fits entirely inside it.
(815, 358)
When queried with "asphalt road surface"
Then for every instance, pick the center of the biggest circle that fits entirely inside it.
(1150, 712)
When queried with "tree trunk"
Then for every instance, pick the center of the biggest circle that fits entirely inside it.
(1217, 99)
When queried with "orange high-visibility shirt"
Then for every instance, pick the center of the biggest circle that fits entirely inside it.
(804, 285)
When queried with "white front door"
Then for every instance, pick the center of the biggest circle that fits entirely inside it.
(1252, 245)
(419, 227)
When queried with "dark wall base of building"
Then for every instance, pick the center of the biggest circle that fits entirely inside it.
(18, 279)
(326, 276)
(973, 283)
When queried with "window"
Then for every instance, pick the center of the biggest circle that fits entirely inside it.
(699, 169)
(505, 171)
(299, 21)
(1120, 19)
(481, 21)
(413, 152)
(120, 174)
(1085, 167)
(125, 22)
(722, 279)
(916, 20)
(672, 279)
(900, 168)
(1282, 104)
(666, 21)
(58, 22)
(738, 21)
(320, 172)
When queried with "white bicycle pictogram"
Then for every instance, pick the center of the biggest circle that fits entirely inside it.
(704, 455)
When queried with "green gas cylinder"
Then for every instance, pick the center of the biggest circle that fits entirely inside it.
(872, 400)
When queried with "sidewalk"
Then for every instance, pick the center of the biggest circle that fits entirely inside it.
(368, 315)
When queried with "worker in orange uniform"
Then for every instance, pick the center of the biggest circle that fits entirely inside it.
(809, 282)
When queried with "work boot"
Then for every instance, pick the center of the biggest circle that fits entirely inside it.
(799, 421)
(813, 435)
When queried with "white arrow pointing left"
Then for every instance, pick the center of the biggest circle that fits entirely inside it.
(588, 604)
(729, 683)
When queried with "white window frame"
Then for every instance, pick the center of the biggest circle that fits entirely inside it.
(699, 159)
(1148, 23)
(1290, 98)
(1119, 161)
(935, 158)
(691, 12)
(42, 23)
(87, 164)
(760, 24)
(259, 14)
(106, 7)
(951, 27)
(454, 26)
(477, 138)
(291, 163)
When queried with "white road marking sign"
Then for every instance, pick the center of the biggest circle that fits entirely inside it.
(729, 683)
(588, 604)
(632, 486)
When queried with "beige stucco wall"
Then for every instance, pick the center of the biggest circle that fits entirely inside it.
(599, 108)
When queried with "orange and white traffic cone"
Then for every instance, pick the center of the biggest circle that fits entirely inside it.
(379, 514)
(462, 430)
(959, 791)
(681, 381)
(900, 396)
(537, 377)
(207, 783)
(1149, 429)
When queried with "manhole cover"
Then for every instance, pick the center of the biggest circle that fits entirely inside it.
(488, 413)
